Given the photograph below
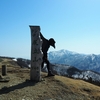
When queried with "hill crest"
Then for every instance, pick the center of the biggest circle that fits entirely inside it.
(51, 88)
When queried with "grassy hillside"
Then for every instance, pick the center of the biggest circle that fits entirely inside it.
(50, 88)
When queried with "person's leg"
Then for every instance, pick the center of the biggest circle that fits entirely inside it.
(48, 64)
(48, 68)
(42, 65)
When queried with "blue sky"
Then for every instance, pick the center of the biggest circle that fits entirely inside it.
(74, 24)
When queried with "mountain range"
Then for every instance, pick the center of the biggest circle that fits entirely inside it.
(80, 61)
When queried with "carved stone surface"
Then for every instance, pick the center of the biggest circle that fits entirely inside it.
(36, 53)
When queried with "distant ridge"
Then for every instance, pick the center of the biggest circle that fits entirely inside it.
(7, 57)
(80, 61)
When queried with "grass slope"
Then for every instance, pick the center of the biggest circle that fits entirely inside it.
(51, 88)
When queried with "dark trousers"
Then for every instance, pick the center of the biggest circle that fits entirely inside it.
(45, 60)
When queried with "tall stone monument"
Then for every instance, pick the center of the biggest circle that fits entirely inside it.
(36, 54)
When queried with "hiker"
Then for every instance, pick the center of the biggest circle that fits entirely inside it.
(45, 46)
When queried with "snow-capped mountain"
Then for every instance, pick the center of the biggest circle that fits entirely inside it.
(80, 61)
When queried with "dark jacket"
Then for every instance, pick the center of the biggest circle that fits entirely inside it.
(45, 44)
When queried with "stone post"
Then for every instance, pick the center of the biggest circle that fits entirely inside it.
(36, 54)
(4, 70)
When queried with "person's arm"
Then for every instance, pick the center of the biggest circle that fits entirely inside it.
(42, 37)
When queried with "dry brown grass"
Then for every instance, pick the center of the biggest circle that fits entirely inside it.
(51, 88)
(80, 86)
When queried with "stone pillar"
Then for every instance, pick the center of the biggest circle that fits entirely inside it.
(36, 54)
(4, 70)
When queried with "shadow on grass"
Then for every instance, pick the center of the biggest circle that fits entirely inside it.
(18, 86)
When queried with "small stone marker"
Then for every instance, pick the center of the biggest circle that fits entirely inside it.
(4, 70)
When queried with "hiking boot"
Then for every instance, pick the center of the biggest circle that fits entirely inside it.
(50, 73)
